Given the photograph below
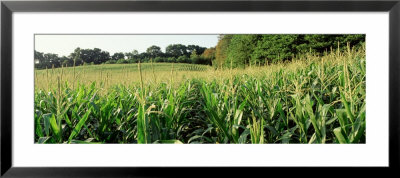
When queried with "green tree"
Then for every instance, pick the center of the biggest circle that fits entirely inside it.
(159, 59)
(199, 50)
(176, 50)
(39, 60)
(65, 61)
(274, 48)
(221, 50)
(182, 59)
(154, 51)
(51, 60)
(194, 58)
(171, 59)
(240, 49)
(117, 56)
(95, 56)
(76, 58)
(132, 55)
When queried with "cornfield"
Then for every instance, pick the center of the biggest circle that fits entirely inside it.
(312, 99)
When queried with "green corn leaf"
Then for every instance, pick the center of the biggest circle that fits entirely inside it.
(68, 121)
(141, 125)
(347, 107)
(38, 127)
(54, 127)
(194, 138)
(87, 141)
(43, 140)
(243, 136)
(342, 117)
(78, 126)
(308, 107)
(339, 135)
(47, 123)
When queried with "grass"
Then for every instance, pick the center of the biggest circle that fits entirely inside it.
(314, 99)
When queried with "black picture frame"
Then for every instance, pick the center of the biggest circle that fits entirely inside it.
(8, 7)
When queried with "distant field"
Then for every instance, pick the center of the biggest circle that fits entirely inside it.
(310, 100)
(113, 74)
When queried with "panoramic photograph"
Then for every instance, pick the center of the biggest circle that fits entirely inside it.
(200, 89)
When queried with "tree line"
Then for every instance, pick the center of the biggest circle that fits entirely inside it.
(236, 50)
(243, 50)
(174, 53)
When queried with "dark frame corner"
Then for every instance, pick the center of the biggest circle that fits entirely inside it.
(8, 7)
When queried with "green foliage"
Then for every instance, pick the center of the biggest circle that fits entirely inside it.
(318, 100)
(160, 59)
(176, 50)
(171, 60)
(110, 62)
(122, 61)
(274, 48)
(195, 48)
(76, 56)
(240, 49)
(117, 56)
(97, 56)
(182, 59)
(251, 49)
(221, 52)
(199, 59)
(154, 51)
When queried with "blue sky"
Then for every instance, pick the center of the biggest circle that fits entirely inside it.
(65, 44)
